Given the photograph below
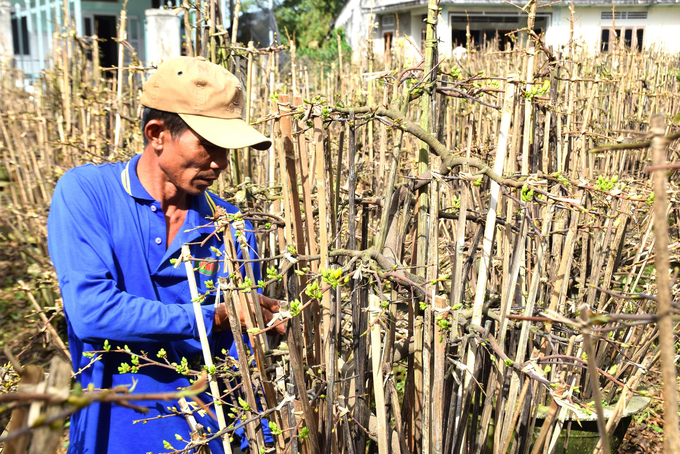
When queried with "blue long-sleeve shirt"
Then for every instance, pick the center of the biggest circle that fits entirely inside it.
(106, 237)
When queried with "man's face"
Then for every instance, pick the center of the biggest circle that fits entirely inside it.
(190, 162)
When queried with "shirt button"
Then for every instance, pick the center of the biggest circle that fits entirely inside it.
(158, 240)
(153, 208)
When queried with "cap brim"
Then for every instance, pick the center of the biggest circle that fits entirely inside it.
(227, 133)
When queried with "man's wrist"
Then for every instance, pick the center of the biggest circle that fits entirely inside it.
(221, 319)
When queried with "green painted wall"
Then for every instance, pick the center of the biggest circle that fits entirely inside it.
(134, 8)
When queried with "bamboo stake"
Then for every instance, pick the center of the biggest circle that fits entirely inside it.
(294, 336)
(501, 150)
(187, 26)
(594, 381)
(122, 37)
(250, 303)
(439, 349)
(665, 324)
(205, 346)
(213, 43)
(248, 107)
(234, 26)
(382, 425)
(329, 315)
(527, 137)
(421, 407)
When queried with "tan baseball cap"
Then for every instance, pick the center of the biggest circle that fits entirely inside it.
(207, 97)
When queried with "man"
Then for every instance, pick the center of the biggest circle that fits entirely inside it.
(113, 233)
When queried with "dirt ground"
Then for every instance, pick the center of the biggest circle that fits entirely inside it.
(645, 434)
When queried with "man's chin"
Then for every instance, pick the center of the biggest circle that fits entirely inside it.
(198, 188)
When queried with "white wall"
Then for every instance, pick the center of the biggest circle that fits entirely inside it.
(587, 27)
(6, 45)
(356, 25)
(444, 32)
(661, 28)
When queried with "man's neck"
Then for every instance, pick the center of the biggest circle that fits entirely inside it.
(174, 202)
(157, 185)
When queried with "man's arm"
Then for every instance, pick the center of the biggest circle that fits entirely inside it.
(81, 248)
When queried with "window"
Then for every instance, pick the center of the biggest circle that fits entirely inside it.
(627, 37)
(639, 35)
(622, 15)
(163, 3)
(88, 29)
(388, 38)
(20, 36)
(491, 29)
(633, 38)
(134, 38)
(485, 19)
(388, 21)
(459, 38)
(604, 40)
(608, 38)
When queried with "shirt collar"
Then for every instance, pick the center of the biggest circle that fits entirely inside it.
(201, 206)
(130, 180)
(201, 214)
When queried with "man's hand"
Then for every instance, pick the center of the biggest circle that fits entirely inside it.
(269, 306)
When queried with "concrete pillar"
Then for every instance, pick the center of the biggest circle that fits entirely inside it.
(415, 31)
(163, 38)
(444, 33)
(6, 44)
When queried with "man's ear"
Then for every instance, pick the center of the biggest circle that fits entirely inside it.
(155, 132)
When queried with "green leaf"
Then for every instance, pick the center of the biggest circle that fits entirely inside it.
(243, 404)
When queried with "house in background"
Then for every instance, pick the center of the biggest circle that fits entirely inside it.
(637, 24)
(28, 27)
(33, 24)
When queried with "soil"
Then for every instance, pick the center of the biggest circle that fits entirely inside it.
(645, 433)
(21, 333)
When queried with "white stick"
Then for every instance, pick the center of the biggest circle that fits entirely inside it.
(207, 356)
(487, 245)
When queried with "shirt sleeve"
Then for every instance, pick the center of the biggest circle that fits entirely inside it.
(80, 246)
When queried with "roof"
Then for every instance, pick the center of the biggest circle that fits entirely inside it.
(395, 5)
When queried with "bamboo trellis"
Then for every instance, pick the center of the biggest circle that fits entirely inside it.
(446, 254)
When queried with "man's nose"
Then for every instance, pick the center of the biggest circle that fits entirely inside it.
(219, 161)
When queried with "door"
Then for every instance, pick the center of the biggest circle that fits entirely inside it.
(104, 26)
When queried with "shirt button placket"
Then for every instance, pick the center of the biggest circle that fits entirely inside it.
(158, 240)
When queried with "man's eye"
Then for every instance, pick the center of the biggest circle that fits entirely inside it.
(210, 148)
